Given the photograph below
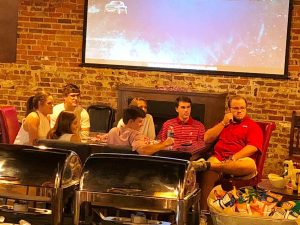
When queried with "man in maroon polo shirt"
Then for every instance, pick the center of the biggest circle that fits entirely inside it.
(188, 133)
(238, 140)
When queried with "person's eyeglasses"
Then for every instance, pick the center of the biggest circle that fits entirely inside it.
(238, 108)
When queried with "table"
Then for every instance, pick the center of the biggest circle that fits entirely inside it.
(288, 194)
(96, 138)
(104, 148)
(100, 139)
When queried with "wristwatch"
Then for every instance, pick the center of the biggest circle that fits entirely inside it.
(225, 125)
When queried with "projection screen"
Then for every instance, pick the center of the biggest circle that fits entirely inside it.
(234, 37)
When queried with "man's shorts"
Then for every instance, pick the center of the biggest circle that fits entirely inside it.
(214, 159)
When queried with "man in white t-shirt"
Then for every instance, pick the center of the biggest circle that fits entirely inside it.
(71, 95)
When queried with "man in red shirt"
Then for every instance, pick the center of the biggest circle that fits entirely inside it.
(188, 133)
(238, 140)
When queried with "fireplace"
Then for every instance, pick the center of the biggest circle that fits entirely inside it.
(164, 110)
(208, 108)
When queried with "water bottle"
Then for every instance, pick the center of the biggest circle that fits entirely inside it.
(170, 134)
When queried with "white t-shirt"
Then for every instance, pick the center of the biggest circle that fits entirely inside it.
(43, 129)
(84, 116)
(65, 137)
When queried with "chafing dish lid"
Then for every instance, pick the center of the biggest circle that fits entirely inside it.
(31, 167)
(133, 175)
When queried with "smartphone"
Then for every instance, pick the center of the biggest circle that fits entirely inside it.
(186, 144)
(234, 120)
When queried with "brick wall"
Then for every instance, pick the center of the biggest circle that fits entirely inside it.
(49, 55)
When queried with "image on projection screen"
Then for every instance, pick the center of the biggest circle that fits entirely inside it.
(244, 36)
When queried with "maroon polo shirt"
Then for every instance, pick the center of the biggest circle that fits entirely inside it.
(187, 136)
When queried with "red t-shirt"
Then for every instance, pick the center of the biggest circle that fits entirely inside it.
(236, 136)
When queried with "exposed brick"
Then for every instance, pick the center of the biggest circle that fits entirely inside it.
(276, 118)
(35, 19)
(178, 78)
(36, 67)
(45, 25)
(49, 49)
(64, 21)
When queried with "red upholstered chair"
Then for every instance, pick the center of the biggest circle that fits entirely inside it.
(267, 128)
(9, 124)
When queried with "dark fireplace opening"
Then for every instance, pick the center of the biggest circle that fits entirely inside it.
(161, 111)
(207, 108)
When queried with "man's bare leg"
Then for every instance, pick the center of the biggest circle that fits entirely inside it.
(214, 167)
(236, 168)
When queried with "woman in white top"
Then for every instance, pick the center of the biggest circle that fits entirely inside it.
(37, 122)
(65, 128)
(148, 128)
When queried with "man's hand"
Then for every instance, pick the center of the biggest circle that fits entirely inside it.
(228, 117)
(151, 149)
(169, 141)
(212, 134)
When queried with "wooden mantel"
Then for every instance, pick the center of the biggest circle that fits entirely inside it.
(214, 103)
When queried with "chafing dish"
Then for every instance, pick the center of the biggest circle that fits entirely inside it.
(135, 183)
(31, 178)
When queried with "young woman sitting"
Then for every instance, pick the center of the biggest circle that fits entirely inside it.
(37, 122)
(65, 128)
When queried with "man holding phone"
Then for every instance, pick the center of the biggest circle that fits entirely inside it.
(238, 139)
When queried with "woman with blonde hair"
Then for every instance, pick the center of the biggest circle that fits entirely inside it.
(37, 122)
(65, 128)
(148, 128)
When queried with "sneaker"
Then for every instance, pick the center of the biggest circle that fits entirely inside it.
(201, 165)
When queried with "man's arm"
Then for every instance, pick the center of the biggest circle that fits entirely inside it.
(84, 120)
(84, 123)
(213, 133)
(151, 149)
(53, 117)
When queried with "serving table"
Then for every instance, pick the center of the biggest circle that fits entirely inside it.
(287, 193)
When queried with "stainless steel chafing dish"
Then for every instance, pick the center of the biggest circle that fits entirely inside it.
(31, 179)
(135, 183)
